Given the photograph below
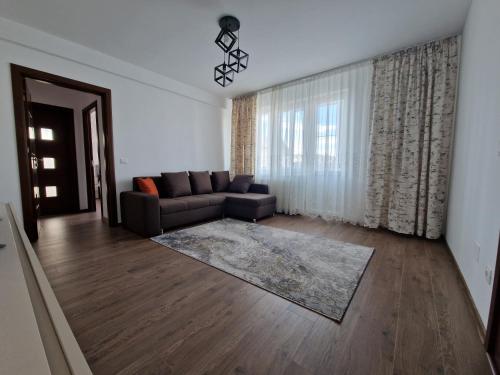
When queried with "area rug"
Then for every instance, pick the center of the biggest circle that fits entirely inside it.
(315, 272)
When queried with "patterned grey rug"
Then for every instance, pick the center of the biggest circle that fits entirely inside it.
(314, 272)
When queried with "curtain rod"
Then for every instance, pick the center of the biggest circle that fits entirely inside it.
(347, 65)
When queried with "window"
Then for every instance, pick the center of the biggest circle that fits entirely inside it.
(311, 142)
(49, 163)
(326, 135)
(31, 132)
(36, 191)
(46, 134)
(263, 136)
(292, 134)
(50, 191)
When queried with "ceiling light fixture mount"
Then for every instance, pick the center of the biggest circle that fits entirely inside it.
(237, 60)
(230, 23)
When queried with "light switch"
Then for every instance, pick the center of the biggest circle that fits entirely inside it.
(477, 251)
(123, 161)
(488, 274)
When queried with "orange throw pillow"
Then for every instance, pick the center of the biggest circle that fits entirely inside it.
(147, 185)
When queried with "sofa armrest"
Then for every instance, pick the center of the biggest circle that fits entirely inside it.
(259, 189)
(140, 213)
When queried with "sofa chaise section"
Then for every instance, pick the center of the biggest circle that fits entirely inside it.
(251, 206)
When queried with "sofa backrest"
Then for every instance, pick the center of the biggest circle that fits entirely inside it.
(158, 182)
(163, 194)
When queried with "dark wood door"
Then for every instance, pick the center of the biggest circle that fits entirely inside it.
(56, 154)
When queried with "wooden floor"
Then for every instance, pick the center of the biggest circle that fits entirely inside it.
(139, 308)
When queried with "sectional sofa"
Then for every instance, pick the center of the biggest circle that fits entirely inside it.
(184, 199)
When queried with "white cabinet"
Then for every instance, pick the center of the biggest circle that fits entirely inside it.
(35, 337)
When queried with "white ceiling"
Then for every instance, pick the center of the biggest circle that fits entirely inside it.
(286, 39)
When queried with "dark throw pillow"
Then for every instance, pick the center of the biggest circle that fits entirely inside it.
(241, 183)
(200, 182)
(220, 181)
(176, 184)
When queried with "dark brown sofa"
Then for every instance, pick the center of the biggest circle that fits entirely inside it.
(148, 215)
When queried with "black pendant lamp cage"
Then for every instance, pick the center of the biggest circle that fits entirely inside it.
(237, 60)
(223, 74)
(226, 40)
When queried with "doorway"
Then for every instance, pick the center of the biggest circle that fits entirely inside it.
(92, 157)
(34, 171)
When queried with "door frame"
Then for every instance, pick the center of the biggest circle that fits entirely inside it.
(18, 75)
(88, 144)
(494, 315)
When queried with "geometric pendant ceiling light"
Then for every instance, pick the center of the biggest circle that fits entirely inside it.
(223, 74)
(237, 60)
(226, 38)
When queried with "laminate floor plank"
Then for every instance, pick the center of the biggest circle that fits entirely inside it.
(462, 346)
(418, 343)
(368, 331)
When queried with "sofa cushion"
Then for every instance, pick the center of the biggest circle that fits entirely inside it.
(176, 184)
(249, 199)
(169, 206)
(241, 183)
(213, 199)
(186, 203)
(200, 182)
(194, 202)
(220, 181)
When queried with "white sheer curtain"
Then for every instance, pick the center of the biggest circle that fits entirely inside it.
(312, 143)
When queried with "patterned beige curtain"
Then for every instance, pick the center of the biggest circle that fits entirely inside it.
(243, 135)
(413, 105)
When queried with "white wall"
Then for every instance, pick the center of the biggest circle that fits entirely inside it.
(77, 101)
(474, 202)
(159, 124)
